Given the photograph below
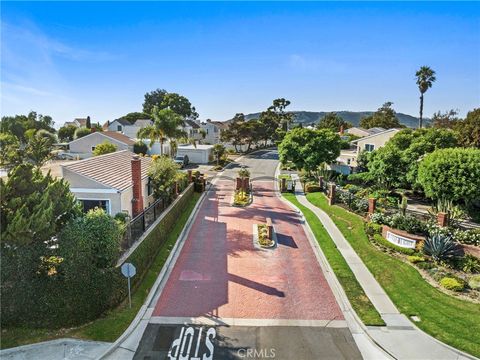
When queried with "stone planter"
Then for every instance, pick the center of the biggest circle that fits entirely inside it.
(256, 243)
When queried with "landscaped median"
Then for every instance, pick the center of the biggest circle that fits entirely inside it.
(114, 323)
(448, 319)
(356, 296)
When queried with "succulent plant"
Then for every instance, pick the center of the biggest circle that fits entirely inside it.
(441, 247)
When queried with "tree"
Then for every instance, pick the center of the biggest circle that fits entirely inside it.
(451, 174)
(18, 125)
(384, 168)
(10, 154)
(468, 130)
(283, 118)
(446, 120)
(38, 149)
(140, 147)
(166, 126)
(218, 150)
(163, 173)
(384, 117)
(105, 147)
(425, 78)
(235, 134)
(88, 123)
(81, 132)
(308, 149)
(333, 122)
(173, 101)
(67, 133)
(134, 116)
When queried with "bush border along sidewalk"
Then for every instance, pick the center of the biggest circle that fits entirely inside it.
(448, 319)
(356, 296)
(114, 323)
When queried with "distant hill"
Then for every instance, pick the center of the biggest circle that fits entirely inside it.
(309, 117)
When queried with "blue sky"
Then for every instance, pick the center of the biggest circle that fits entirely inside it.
(69, 59)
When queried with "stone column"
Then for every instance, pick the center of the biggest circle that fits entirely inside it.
(283, 186)
(246, 184)
(331, 196)
(189, 172)
(442, 219)
(371, 205)
(137, 200)
(269, 229)
(239, 184)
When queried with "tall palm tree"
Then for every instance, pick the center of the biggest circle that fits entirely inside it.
(425, 78)
(165, 126)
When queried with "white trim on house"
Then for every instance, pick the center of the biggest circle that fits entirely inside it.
(95, 190)
(374, 135)
(109, 203)
(105, 136)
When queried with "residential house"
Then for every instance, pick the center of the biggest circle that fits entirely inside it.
(78, 122)
(347, 161)
(361, 132)
(197, 154)
(192, 129)
(126, 128)
(213, 131)
(84, 146)
(116, 182)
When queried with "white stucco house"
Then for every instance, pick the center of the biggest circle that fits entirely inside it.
(126, 128)
(213, 131)
(116, 182)
(84, 146)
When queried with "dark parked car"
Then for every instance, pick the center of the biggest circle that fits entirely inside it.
(181, 160)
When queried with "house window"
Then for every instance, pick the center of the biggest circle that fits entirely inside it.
(149, 187)
(369, 147)
(93, 148)
(88, 204)
(348, 161)
(119, 127)
(215, 129)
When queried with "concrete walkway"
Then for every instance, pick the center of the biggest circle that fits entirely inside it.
(400, 338)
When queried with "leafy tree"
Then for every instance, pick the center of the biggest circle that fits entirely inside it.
(425, 78)
(166, 126)
(384, 168)
(218, 150)
(235, 134)
(67, 133)
(468, 130)
(10, 154)
(38, 149)
(308, 149)
(81, 132)
(165, 100)
(446, 120)
(334, 122)
(163, 173)
(96, 127)
(105, 147)
(19, 124)
(134, 116)
(88, 124)
(284, 118)
(451, 174)
(140, 147)
(384, 117)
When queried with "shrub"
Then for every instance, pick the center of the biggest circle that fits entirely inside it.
(81, 132)
(243, 173)
(379, 218)
(414, 259)
(426, 265)
(360, 205)
(379, 239)
(408, 223)
(354, 189)
(470, 264)
(468, 237)
(140, 147)
(105, 147)
(121, 216)
(441, 248)
(474, 282)
(372, 228)
(312, 187)
(451, 284)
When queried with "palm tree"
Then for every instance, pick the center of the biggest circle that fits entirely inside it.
(425, 78)
(165, 126)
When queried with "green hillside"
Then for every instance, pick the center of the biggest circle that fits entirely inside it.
(309, 117)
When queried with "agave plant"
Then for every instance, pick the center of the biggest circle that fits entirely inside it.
(441, 247)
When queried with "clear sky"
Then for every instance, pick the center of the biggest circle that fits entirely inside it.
(70, 59)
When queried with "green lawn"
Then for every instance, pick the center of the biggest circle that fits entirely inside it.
(450, 320)
(115, 322)
(359, 301)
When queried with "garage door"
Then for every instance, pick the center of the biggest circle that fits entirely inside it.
(197, 157)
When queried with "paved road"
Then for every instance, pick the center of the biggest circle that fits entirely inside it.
(259, 299)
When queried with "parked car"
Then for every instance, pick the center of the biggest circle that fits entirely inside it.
(181, 160)
(65, 156)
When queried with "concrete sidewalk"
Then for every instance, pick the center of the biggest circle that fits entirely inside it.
(400, 338)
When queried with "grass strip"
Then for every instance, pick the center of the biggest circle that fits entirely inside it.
(446, 318)
(357, 297)
(115, 322)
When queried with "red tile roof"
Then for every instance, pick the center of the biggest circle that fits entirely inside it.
(113, 170)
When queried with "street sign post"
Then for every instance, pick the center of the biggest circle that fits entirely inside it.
(128, 270)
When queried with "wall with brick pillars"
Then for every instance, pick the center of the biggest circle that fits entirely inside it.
(371, 205)
(246, 184)
(189, 172)
(283, 186)
(331, 195)
(137, 200)
(269, 229)
(442, 219)
(239, 184)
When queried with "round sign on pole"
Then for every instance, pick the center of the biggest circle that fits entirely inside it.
(128, 270)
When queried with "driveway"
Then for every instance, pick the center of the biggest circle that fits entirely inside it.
(251, 299)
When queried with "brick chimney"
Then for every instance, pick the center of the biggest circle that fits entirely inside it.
(137, 200)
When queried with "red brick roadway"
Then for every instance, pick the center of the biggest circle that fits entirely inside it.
(220, 273)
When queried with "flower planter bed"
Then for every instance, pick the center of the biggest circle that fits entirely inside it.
(260, 240)
(241, 198)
